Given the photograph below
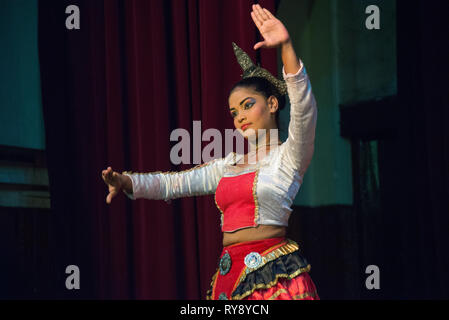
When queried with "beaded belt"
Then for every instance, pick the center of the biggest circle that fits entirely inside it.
(240, 260)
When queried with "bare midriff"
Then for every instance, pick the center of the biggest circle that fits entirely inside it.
(255, 233)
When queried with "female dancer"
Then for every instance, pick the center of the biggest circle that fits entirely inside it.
(257, 261)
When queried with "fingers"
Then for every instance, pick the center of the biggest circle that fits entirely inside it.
(105, 172)
(259, 45)
(261, 14)
(108, 175)
(256, 20)
(110, 196)
(268, 13)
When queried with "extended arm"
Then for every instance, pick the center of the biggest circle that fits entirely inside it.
(200, 180)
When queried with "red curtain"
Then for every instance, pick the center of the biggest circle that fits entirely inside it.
(112, 93)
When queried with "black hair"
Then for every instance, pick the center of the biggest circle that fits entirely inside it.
(263, 87)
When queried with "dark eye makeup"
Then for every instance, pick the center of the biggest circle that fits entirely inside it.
(249, 103)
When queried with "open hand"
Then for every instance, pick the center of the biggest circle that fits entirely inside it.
(272, 30)
(114, 181)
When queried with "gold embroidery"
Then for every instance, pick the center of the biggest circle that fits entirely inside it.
(277, 294)
(272, 283)
(256, 202)
(267, 256)
(212, 284)
(295, 297)
(221, 211)
(305, 295)
(215, 197)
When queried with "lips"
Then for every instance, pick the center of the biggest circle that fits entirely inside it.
(245, 126)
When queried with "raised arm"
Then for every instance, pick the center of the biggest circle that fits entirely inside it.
(299, 147)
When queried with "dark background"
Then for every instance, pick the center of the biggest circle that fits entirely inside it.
(113, 91)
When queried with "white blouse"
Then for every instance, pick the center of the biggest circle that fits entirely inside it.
(280, 172)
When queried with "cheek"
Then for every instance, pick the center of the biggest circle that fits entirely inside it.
(256, 113)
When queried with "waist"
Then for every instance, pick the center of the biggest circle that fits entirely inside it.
(260, 232)
(246, 265)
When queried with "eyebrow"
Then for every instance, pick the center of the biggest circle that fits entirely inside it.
(240, 102)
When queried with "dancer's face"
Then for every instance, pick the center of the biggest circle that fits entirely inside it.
(251, 110)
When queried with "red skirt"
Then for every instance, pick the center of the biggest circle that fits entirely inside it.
(269, 269)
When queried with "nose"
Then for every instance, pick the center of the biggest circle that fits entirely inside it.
(241, 118)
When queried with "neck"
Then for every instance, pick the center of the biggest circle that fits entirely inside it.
(261, 141)
(272, 143)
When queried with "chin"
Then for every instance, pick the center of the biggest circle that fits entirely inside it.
(250, 132)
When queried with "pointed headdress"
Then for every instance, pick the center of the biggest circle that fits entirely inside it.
(251, 70)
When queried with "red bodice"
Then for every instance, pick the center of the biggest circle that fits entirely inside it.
(237, 200)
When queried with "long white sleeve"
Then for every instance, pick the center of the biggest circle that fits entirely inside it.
(199, 180)
(299, 146)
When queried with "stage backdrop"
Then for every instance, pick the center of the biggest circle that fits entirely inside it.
(114, 90)
(112, 93)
